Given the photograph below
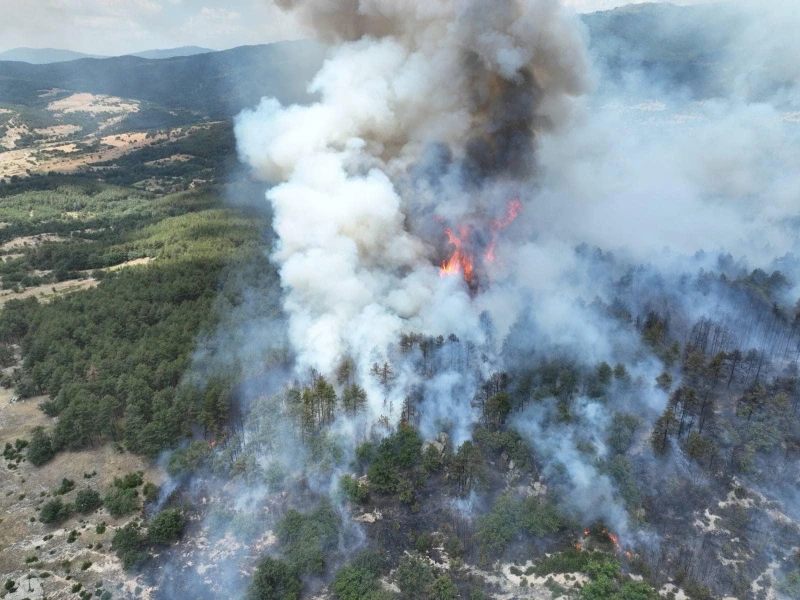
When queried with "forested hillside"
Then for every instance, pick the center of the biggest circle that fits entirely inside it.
(213, 85)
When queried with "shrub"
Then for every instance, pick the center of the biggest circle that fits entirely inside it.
(127, 543)
(274, 580)
(413, 576)
(67, 485)
(166, 527)
(359, 579)
(305, 538)
(87, 500)
(129, 481)
(443, 588)
(121, 501)
(351, 489)
(150, 491)
(40, 449)
(55, 511)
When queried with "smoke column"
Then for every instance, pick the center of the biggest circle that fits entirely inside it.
(462, 138)
(427, 122)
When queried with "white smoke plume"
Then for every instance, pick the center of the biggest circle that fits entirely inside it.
(434, 116)
(361, 236)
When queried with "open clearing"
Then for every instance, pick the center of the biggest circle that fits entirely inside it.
(93, 103)
(57, 156)
(25, 489)
(49, 291)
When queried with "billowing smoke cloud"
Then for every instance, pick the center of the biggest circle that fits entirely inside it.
(433, 117)
(428, 120)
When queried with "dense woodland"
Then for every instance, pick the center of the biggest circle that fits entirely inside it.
(110, 360)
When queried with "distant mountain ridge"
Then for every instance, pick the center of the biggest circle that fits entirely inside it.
(48, 56)
(667, 44)
(214, 85)
(43, 56)
(172, 52)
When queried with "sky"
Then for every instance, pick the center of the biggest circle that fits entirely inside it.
(112, 27)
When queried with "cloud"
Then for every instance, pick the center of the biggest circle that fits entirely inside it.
(214, 22)
(113, 27)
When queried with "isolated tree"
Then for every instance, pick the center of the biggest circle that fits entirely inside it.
(87, 500)
(166, 527)
(664, 381)
(128, 543)
(467, 466)
(40, 449)
(695, 366)
(344, 374)
(326, 398)
(735, 357)
(354, 399)
(407, 410)
(662, 429)
(752, 402)
(497, 409)
(621, 432)
(55, 511)
(604, 373)
(706, 411)
(119, 501)
(383, 373)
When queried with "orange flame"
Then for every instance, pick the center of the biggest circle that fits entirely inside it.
(514, 208)
(462, 260)
(613, 538)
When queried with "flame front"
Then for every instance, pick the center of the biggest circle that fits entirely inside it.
(462, 260)
(514, 208)
(613, 538)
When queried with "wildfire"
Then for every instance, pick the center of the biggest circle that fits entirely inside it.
(614, 540)
(514, 208)
(462, 260)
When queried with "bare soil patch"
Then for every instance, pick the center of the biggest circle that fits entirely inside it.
(57, 131)
(31, 240)
(25, 489)
(93, 103)
(49, 291)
